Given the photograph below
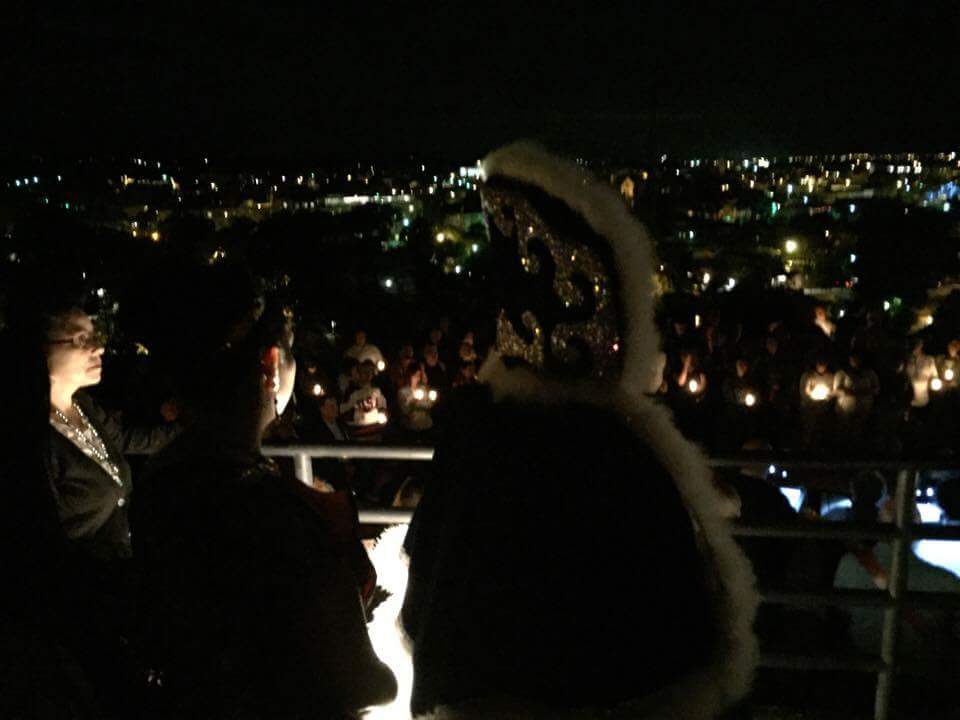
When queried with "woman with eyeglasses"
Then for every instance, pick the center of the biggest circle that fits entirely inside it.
(92, 488)
(67, 519)
(91, 478)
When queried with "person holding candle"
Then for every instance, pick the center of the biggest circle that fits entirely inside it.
(366, 405)
(690, 379)
(921, 370)
(688, 390)
(742, 404)
(816, 405)
(415, 400)
(855, 388)
(948, 366)
(816, 385)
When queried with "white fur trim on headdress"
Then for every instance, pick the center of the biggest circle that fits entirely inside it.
(605, 212)
(729, 678)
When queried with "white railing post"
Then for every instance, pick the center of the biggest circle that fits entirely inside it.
(304, 467)
(897, 590)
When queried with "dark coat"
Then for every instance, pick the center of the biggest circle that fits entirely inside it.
(255, 608)
(92, 506)
(529, 574)
(322, 435)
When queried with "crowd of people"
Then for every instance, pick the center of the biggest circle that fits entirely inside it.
(808, 388)
(811, 388)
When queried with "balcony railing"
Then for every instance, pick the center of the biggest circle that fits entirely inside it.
(900, 533)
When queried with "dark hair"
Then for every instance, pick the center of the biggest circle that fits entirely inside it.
(409, 371)
(226, 322)
(35, 302)
(328, 397)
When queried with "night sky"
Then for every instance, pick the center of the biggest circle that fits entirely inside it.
(452, 80)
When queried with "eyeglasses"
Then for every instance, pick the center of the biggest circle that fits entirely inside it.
(83, 341)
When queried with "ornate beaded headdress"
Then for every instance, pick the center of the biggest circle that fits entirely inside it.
(573, 284)
(568, 315)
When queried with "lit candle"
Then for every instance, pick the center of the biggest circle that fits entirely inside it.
(936, 385)
(418, 394)
(948, 375)
(749, 399)
(382, 418)
(318, 389)
(381, 366)
(693, 386)
(432, 395)
(819, 392)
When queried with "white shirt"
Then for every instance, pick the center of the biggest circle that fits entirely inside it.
(365, 352)
(920, 645)
(864, 386)
(362, 402)
(920, 371)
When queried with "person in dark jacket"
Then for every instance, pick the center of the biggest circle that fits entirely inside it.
(37, 669)
(254, 598)
(85, 568)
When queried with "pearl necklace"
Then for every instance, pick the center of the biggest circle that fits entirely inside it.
(88, 440)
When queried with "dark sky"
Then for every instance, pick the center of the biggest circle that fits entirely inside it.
(452, 80)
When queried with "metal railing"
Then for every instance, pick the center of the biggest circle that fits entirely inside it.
(900, 533)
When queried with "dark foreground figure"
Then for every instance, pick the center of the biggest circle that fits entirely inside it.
(569, 557)
(252, 589)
